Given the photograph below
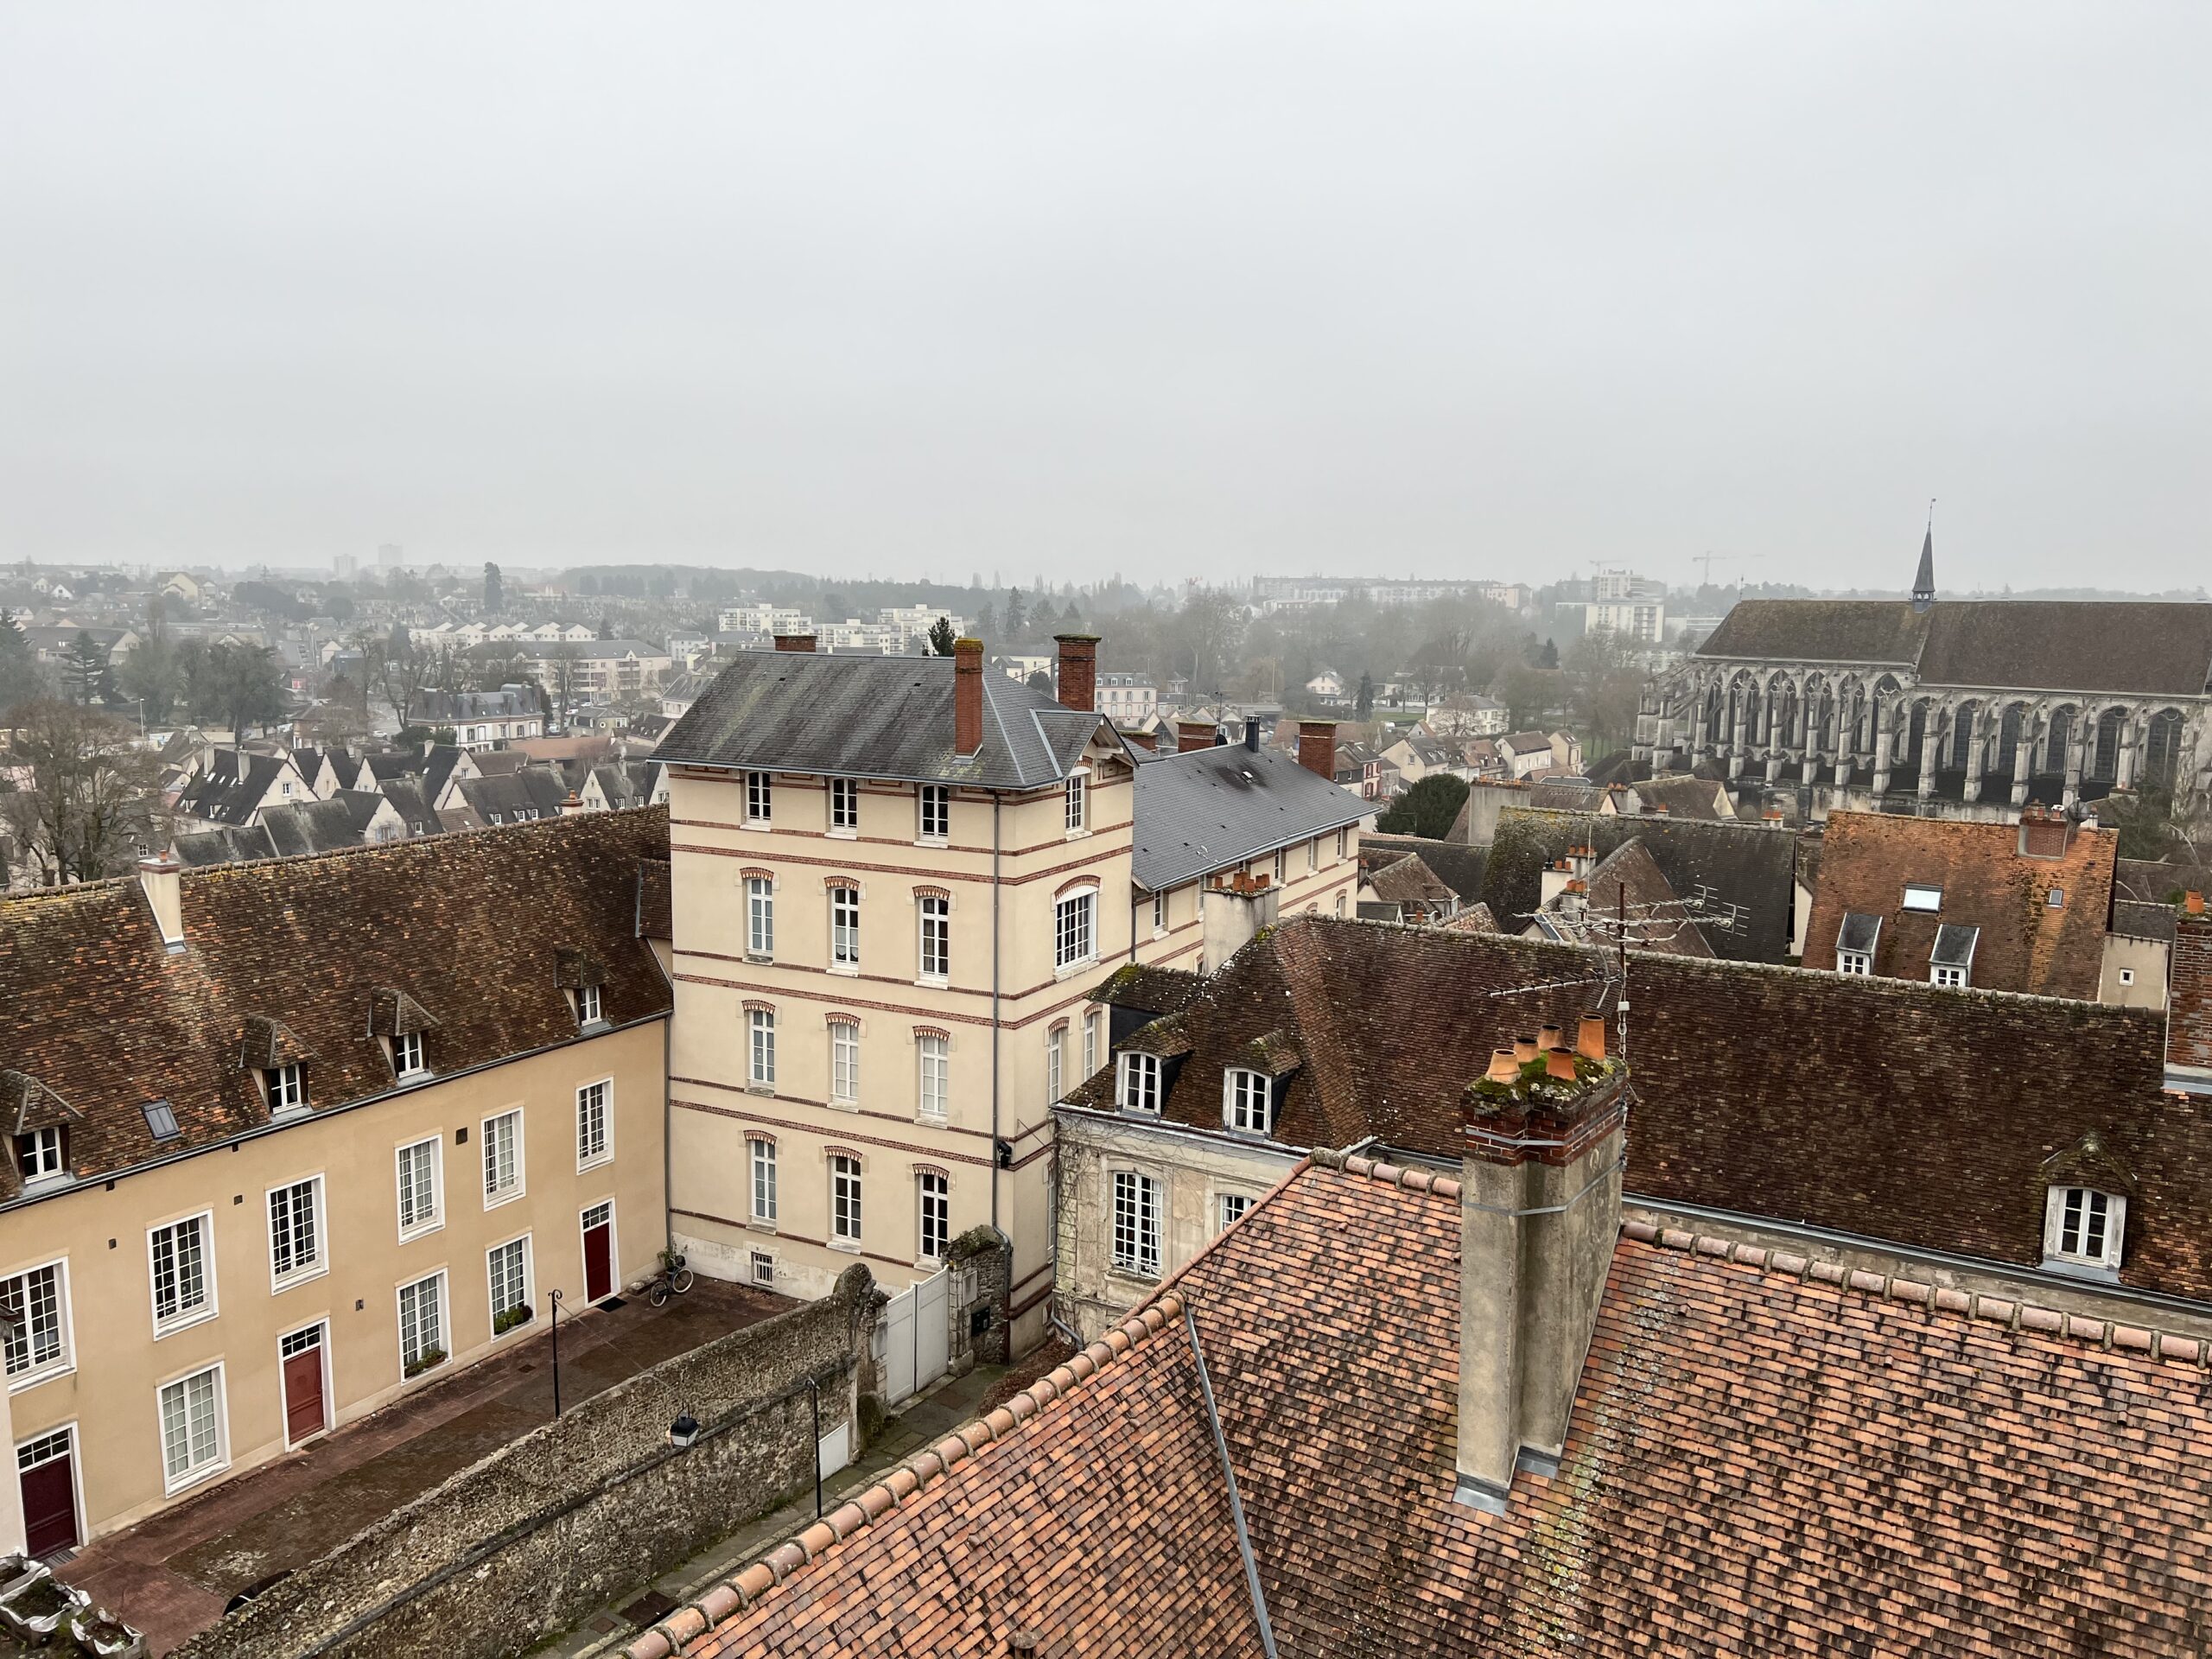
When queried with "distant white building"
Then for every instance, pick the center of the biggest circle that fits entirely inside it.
(765, 619)
(1630, 606)
(1328, 685)
(1128, 699)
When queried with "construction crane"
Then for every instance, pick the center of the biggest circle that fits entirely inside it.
(1708, 560)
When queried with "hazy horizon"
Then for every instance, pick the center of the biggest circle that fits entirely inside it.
(1234, 287)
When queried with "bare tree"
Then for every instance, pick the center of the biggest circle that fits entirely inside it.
(564, 673)
(88, 801)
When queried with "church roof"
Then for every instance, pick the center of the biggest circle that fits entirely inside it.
(2129, 648)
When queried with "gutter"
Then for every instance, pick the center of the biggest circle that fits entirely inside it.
(997, 801)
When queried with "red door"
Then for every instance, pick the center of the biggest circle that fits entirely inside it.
(49, 1495)
(303, 1413)
(599, 1253)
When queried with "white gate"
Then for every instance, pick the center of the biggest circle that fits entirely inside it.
(913, 1337)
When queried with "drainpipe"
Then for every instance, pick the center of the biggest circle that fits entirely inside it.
(996, 801)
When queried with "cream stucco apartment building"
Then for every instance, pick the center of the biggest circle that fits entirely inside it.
(290, 1137)
(895, 882)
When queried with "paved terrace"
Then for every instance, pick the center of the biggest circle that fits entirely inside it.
(172, 1574)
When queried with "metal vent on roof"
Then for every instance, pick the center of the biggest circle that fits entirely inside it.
(160, 1118)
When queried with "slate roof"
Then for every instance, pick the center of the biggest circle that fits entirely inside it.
(227, 845)
(406, 795)
(1401, 878)
(2140, 647)
(2026, 943)
(1684, 796)
(467, 926)
(320, 826)
(1765, 1455)
(229, 790)
(1627, 882)
(1207, 808)
(2133, 919)
(1880, 1107)
(1458, 865)
(1750, 865)
(873, 717)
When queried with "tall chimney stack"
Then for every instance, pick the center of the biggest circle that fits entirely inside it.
(1236, 907)
(967, 696)
(162, 877)
(1252, 736)
(2188, 1000)
(1079, 672)
(800, 642)
(1540, 1210)
(1316, 747)
(1193, 735)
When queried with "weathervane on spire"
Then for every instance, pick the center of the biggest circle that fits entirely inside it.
(1923, 585)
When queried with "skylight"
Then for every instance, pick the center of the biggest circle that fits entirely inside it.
(1919, 895)
(160, 1118)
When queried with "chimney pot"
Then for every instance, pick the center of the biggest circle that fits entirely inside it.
(1502, 1068)
(1589, 1040)
(1548, 1037)
(1079, 672)
(2193, 902)
(967, 696)
(1524, 1049)
(798, 642)
(1560, 1063)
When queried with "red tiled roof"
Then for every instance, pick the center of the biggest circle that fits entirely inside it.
(1765, 1457)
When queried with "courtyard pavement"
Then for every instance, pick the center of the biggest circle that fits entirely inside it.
(172, 1574)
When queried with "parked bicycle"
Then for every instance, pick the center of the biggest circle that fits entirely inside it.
(673, 1279)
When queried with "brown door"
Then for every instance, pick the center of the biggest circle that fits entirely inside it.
(49, 1495)
(599, 1252)
(303, 1413)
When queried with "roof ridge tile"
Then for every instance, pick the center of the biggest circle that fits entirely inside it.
(2011, 1312)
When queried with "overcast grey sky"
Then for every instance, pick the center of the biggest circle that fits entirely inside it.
(1172, 289)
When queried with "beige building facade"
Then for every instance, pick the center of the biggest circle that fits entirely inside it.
(340, 1126)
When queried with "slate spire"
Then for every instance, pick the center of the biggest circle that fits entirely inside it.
(1923, 585)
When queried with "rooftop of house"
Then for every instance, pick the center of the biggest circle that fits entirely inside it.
(289, 956)
(1398, 877)
(2138, 647)
(1145, 987)
(1766, 1455)
(1206, 809)
(231, 787)
(2040, 892)
(1626, 891)
(320, 826)
(887, 717)
(1458, 865)
(1685, 795)
(1762, 1091)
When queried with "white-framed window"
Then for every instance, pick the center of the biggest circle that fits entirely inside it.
(2127, 976)
(1159, 914)
(936, 936)
(41, 1154)
(936, 1080)
(1136, 1223)
(184, 1271)
(1344, 840)
(1282, 865)
(594, 1123)
(2084, 1226)
(1855, 962)
(296, 1232)
(192, 1427)
(1340, 906)
(1312, 854)
(761, 1030)
(1228, 1210)
(507, 1267)
(288, 1088)
(763, 1178)
(1074, 939)
(407, 1060)
(760, 797)
(422, 1324)
(844, 1199)
(1078, 802)
(589, 1007)
(844, 927)
(1139, 1082)
(1091, 1050)
(760, 916)
(1942, 973)
(503, 1164)
(936, 813)
(844, 1062)
(764, 1267)
(419, 1209)
(1246, 1100)
(35, 1340)
(1922, 895)
(935, 1194)
(844, 805)
(1056, 1043)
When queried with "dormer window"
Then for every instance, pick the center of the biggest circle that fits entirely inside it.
(1247, 1101)
(1921, 895)
(2082, 1228)
(42, 1154)
(1140, 1084)
(588, 1008)
(1855, 941)
(407, 1057)
(288, 1088)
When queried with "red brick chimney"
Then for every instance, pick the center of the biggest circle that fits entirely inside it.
(1078, 674)
(2043, 832)
(967, 696)
(795, 642)
(1316, 747)
(2188, 1000)
(1149, 742)
(1193, 735)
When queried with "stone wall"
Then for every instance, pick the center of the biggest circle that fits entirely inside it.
(981, 1261)
(523, 1545)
